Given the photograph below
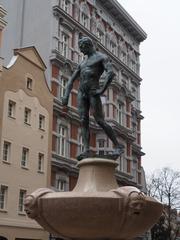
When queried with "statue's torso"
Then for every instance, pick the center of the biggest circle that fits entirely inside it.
(90, 71)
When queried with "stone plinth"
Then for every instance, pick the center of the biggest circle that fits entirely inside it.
(97, 208)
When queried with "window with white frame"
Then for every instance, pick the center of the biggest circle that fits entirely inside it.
(113, 47)
(40, 162)
(3, 197)
(61, 185)
(25, 157)
(41, 122)
(100, 35)
(6, 151)
(64, 45)
(62, 140)
(62, 86)
(29, 83)
(27, 116)
(11, 109)
(65, 5)
(22, 195)
(84, 15)
(133, 65)
(101, 32)
(134, 169)
(124, 57)
(81, 144)
(121, 163)
(120, 113)
(84, 20)
(101, 146)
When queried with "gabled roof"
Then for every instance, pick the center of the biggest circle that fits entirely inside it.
(32, 55)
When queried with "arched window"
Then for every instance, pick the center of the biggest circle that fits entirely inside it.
(101, 32)
(85, 15)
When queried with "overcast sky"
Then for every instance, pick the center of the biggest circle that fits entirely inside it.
(160, 89)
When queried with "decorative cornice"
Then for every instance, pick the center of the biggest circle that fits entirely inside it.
(122, 16)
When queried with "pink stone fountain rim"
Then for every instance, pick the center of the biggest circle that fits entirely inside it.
(97, 161)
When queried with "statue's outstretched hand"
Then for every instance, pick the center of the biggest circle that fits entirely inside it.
(64, 101)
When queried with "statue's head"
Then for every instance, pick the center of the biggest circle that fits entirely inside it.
(86, 45)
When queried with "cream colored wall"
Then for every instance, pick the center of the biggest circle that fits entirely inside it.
(21, 135)
(12, 233)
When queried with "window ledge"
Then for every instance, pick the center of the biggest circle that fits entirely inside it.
(41, 172)
(6, 162)
(42, 129)
(27, 124)
(22, 213)
(25, 168)
(3, 210)
(11, 117)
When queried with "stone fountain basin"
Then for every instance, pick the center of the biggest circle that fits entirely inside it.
(97, 215)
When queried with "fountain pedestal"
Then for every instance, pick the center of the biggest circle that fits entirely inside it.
(97, 208)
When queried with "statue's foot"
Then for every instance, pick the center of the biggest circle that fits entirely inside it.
(83, 155)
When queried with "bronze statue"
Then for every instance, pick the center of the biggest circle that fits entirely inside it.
(89, 71)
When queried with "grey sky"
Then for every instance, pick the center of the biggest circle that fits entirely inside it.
(160, 65)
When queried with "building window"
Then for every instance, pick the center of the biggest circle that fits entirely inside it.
(41, 122)
(100, 35)
(61, 185)
(101, 146)
(120, 114)
(29, 83)
(22, 195)
(6, 151)
(134, 169)
(40, 162)
(11, 109)
(81, 144)
(84, 20)
(62, 141)
(64, 45)
(124, 57)
(101, 32)
(62, 86)
(65, 5)
(27, 116)
(25, 156)
(113, 47)
(3, 197)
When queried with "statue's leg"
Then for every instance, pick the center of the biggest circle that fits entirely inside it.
(97, 110)
(83, 109)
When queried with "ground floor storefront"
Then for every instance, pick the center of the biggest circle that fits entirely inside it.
(22, 233)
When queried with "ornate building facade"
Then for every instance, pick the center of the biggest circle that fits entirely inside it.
(117, 35)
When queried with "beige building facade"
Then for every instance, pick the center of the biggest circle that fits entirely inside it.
(25, 141)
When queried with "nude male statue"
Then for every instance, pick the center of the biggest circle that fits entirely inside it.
(89, 72)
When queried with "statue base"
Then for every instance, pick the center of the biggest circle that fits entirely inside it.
(97, 208)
